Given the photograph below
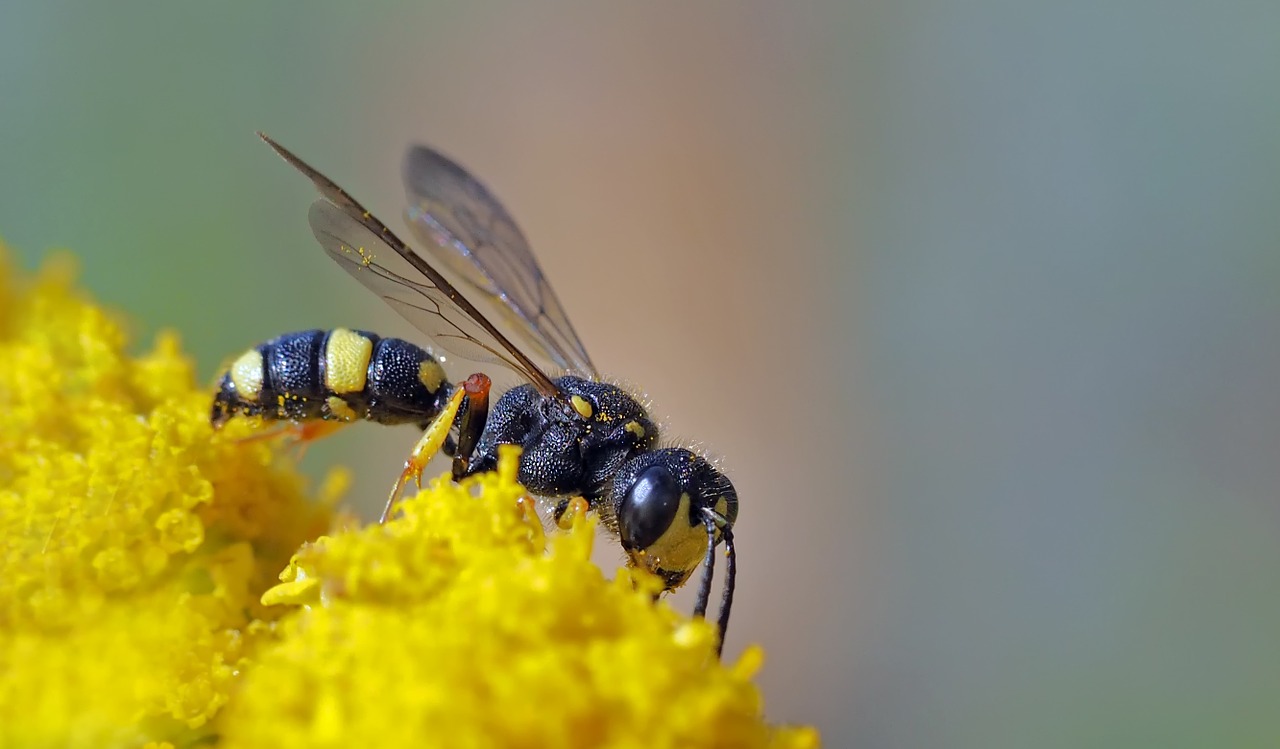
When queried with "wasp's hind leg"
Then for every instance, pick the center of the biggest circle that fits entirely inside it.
(433, 439)
(474, 392)
(296, 434)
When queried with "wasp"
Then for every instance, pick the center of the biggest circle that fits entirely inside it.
(581, 437)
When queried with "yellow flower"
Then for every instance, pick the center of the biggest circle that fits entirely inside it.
(139, 601)
(452, 625)
(135, 545)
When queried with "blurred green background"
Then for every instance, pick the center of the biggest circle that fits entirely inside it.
(978, 300)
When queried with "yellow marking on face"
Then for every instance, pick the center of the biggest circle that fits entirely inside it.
(680, 547)
(431, 375)
(582, 406)
(341, 409)
(246, 374)
(635, 428)
(722, 509)
(346, 361)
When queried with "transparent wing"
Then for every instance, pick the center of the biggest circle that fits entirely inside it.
(377, 258)
(464, 226)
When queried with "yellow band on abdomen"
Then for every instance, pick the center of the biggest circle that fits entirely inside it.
(246, 374)
(346, 361)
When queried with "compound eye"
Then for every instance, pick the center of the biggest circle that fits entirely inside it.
(648, 509)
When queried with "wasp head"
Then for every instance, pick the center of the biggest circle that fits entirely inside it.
(662, 502)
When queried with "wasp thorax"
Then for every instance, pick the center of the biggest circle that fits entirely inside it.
(662, 502)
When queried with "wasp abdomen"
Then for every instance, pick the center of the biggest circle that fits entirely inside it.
(339, 375)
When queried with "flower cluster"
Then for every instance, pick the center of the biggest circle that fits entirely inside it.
(141, 598)
(135, 544)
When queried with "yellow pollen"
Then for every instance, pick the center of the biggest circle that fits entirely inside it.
(340, 408)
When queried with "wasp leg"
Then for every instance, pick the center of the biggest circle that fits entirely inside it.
(298, 434)
(472, 423)
(432, 440)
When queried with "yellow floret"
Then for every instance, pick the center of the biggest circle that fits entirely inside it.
(141, 599)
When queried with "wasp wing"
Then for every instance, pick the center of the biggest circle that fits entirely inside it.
(377, 258)
(464, 226)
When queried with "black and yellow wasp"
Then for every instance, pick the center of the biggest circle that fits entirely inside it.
(581, 437)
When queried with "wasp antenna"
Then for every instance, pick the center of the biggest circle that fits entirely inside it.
(730, 572)
(708, 568)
